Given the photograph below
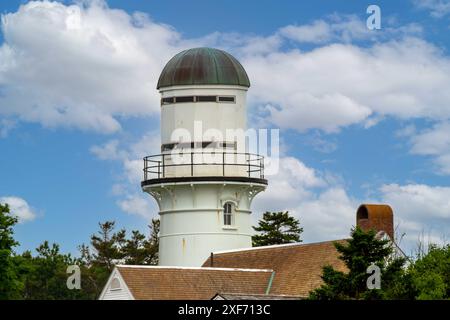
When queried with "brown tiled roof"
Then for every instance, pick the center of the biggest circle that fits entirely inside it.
(172, 283)
(298, 267)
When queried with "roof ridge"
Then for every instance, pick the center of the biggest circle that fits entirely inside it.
(285, 245)
(191, 268)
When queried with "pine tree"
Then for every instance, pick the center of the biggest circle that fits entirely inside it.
(362, 250)
(277, 228)
(139, 250)
(152, 245)
(107, 245)
(111, 248)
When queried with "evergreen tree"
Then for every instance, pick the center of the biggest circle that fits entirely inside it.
(362, 250)
(139, 250)
(277, 228)
(9, 284)
(153, 243)
(111, 248)
(107, 245)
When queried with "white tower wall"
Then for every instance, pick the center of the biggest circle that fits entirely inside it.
(192, 223)
(213, 115)
(194, 191)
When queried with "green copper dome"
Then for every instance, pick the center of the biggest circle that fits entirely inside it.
(202, 66)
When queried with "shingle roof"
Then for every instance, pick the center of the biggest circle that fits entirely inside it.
(298, 267)
(173, 283)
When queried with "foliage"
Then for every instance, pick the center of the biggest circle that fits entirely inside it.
(360, 251)
(111, 248)
(8, 281)
(44, 276)
(277, 228)
(430, 274)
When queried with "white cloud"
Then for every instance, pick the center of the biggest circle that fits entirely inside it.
(328, 212)
(19, 207)
(140, 205)
(243, 44)
(320, 144)
(92, 65)
(438, 8)
(422, 212)
(418, 200)
(420, 209)
(289, 185)
(317, 32)
(325, 210)
(83, 66)
(337, 28)
(321, 202)
(337, 85)
(130, 156)
(434, 142)
(328, 216)
(108, 151)
(406, 131)
(334, 28)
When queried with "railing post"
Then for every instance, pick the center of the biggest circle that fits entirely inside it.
(159, 169)
(192, 164)
(163, 166)
(145, 168)
(249, 173)
(223, 164)
(261, 165)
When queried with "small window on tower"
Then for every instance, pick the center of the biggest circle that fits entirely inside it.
(228, 145)
(228, 209)
(184, 99)
(167, 100)
(227, 99)
(206, 98)
(167, 147)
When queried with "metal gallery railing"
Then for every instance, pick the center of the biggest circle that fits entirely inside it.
(196, 164)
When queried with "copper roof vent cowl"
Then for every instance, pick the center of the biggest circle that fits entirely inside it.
(378, 217)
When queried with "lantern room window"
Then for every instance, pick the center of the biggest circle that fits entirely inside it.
(182, 99)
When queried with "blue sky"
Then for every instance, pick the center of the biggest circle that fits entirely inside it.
(364, 115)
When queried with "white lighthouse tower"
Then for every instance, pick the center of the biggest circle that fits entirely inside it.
(203, 180)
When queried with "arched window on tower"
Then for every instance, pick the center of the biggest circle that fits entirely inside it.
(228, 212)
